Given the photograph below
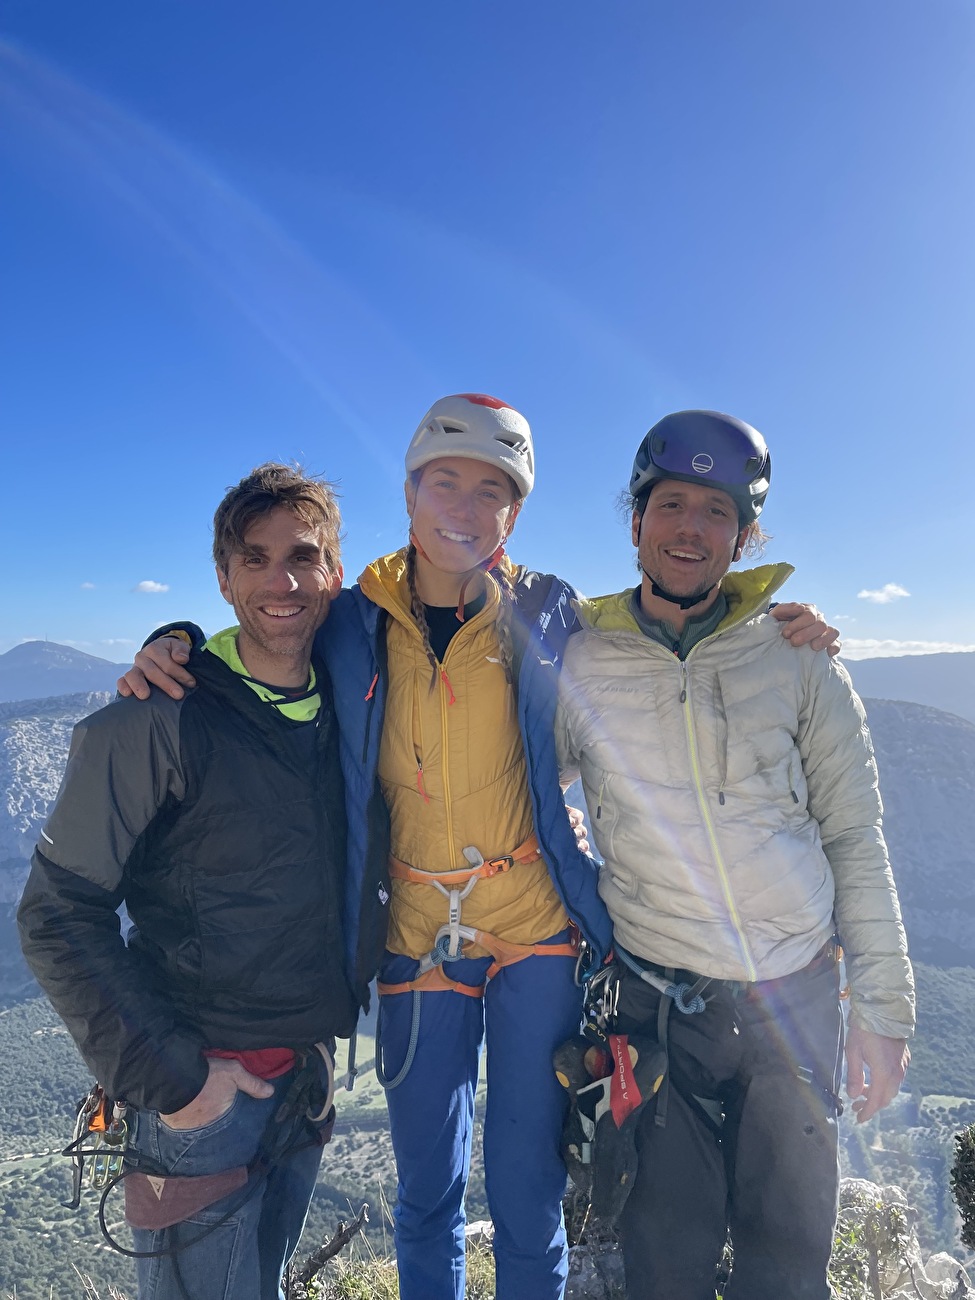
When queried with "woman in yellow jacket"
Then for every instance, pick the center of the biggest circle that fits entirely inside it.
(473, 950)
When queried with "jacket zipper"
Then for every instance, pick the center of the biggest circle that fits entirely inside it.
(723, 879)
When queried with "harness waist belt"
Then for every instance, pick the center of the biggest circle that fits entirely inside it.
(828, 955)
(524, 854)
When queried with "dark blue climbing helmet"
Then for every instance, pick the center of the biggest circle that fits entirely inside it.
(706, 447)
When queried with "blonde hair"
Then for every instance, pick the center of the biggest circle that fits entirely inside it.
(505, 612)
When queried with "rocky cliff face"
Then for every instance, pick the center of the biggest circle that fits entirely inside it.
(927, 780)
(34, 740)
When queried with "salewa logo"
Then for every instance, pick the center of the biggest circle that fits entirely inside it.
(383, 896)
(158, 1185)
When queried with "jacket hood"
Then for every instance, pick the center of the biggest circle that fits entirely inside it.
(747, 593)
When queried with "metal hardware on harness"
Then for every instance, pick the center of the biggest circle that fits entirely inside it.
(602, 998)
(317, 1114)
(456, 885)
(101, 1136)
(171, 1199)
(686, 997)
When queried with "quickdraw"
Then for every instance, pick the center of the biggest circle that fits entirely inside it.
(100, 1138)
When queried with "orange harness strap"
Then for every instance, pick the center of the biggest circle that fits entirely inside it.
(522, 855)
(504, 953)
(431, 981)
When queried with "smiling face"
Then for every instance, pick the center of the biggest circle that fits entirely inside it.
(280, 587)
(687, 540)
(461, 511)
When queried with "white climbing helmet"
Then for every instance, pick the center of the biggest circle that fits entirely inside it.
(479, 428)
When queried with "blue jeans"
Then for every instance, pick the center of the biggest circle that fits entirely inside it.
(527, 1010)
(244, 1258)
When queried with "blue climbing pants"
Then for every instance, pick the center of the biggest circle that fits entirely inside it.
(527, 1010)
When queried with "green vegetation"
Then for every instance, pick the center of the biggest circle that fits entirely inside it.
(943, 1054)
(42, 1077)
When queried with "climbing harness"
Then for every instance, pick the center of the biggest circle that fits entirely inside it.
(454, 938)
(159, 1201)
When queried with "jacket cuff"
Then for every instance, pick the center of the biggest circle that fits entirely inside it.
(193, 635)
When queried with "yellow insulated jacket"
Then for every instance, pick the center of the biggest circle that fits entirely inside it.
(453, 773)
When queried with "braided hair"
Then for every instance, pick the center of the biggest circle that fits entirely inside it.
(418, 610)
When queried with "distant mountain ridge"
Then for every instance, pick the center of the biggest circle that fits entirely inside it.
(39, 669)
(944, 681)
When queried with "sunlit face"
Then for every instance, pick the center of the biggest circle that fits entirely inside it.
(461, 511)
(688, 536)
(280, 588)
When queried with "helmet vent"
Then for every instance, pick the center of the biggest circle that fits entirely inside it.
(452, 428)
(752, 464)
(506, 442)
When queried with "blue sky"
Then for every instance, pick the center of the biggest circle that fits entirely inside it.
(236, 232)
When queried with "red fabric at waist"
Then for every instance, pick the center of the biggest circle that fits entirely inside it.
(264, 1062)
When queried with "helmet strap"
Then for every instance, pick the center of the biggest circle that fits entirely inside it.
(415, 543)
(486, 565)
(683, 602)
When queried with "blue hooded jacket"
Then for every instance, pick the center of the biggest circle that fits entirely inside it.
(352, 642)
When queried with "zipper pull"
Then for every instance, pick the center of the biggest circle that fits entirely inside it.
(599, 799)
(372, 688)
(419, 781)
(446, 681)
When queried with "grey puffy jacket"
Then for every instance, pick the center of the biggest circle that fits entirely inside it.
(734, 799)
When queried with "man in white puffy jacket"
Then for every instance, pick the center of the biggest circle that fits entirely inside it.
(733, 795)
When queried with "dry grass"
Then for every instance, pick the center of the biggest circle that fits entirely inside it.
(368, 1276)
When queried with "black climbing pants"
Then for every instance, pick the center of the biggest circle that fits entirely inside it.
(757, 1158)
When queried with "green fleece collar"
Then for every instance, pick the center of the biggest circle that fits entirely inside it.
(224, 646)
(747, 592)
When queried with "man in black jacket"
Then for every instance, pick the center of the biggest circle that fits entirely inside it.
(219, 821)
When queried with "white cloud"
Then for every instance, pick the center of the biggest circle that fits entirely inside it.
(871, 649)
(87, 586)
(890, 591)
(149, 585)
(118, 640)
(843, 618)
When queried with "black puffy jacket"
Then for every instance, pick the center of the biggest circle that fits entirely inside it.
(221, 825)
